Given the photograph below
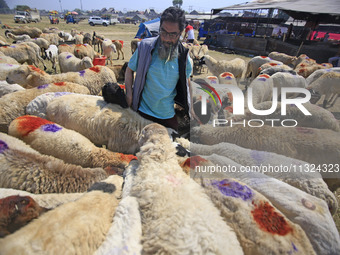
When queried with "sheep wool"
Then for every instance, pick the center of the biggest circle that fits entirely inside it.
(13, 105)
(102, 123)
(6, 88)
(168, 201)
(38, 173)
(260, 227)
(52, 139)
(77, 227)
(5, 68)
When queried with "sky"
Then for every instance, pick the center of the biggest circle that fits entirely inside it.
(124, 6)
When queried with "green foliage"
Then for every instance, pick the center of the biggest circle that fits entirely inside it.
(177, 3)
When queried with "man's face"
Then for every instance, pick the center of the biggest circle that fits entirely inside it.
(169, 34)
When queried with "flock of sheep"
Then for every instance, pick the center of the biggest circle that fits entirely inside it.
(79, 175)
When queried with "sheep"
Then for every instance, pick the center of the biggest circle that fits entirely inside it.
(3, 41)
(37, 173)
(84, 50)
(315, 146)
(235, 66)
(66, 36)
(304, 60)
(52, 55)
(52, 38)
(70, 63)
(308, 182)
(318, 73)
(108, 47)
(244, 209)
(320, 118)
(134, 45)
(51, 30)
(309, 212)
(227, 78)
(7, 60)
(255, 63)
(77, 227)
(66, 48)
(23, 53)
(16, 212)
(328, 85)
(23, 37)
(87, 39)
(68, 145)
(79, 39)
(42, 43)
(33, 32)
(6, 88)
(6, 68)
(308, 70)
(119, 71)
(284, 58)
(120, 128)
(119, 47)
(48, 201)
(168, 201)
(196, 53)
(97, 40)
(284, 80)
(93, 78)
(13, 105)
(271, 68)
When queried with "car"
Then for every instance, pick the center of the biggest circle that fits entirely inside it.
(95, 20)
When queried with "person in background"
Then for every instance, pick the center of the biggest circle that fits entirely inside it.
(163, 70)
(325, 38)
(207, 41)
(335, 61)
(189, 33)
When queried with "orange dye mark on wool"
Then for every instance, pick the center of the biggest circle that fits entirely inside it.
(95, 69)
(27, 124)
(273, 64)
(269, 220)
(127, 157)
(36, 69)
(263, 57)
(122, 86)
(301, 70)
(193, 161)
(63, 45)
(60, 83)
(265, 76)
(78, 45)
(225, 74)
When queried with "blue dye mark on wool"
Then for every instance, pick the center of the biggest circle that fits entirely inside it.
(51, 128)
(3, 146)
(68, 56)
(228, 78)
(294, 249)
(59, 94)
(12, 46)
(261, 79)
(82, 72)
(233, 189)
(43, 86)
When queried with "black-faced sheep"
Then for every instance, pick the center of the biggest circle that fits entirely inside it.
(168, 201)
(93, 78)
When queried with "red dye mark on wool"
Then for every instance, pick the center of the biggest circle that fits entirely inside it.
(95, 69)
(127, 157)
(265, 76)
(36, 69)
(193, 161)
(60, 83)
(226, 74)
(27, 124)
(269, 220)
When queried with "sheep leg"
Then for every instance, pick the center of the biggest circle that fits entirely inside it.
(333, 99)
(122, 54)
(326, 100)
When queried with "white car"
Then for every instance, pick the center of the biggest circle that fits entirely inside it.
(95, 20)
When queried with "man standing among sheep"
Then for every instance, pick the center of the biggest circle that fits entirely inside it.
(163, 70)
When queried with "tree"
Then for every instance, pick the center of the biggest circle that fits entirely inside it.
(3, 4)
(177, 3)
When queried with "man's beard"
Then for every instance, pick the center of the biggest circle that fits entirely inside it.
(167, 51)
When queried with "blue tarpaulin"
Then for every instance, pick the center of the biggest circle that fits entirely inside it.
(148, 29)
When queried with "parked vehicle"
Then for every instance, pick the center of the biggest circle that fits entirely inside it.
(95, 20)
(27, 16)
(53, 16)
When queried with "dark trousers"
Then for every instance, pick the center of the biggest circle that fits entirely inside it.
(169, 123)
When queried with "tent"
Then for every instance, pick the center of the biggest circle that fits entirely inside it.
(148, 29)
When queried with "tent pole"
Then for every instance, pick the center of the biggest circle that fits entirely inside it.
(298, 51)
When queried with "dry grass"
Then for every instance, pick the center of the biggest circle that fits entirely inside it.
(126, 32)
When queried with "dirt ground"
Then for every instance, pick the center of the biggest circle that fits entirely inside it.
(127, 32)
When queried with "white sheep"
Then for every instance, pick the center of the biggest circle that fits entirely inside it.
(318, 73)
(79, 39)
(13, 105)
(84, 50)
(5, 68)
(260, 227)
(33, 32)
(120, 128)
(77, 227)
(108, 48)
(66, 48)
(6, 88)
(253, 160)
(329, 85)
(24, 52)
(52, 38)
(68, 145)
(23, 37)
(261, 89)
(271, 68)
(93, 78)
(255, 63)
(52, 55)
(168, 201)
(235, 66)
(37, 173)
(310, 212)
(42, 43)
(66, 36)
(7, 60)
(70, 63)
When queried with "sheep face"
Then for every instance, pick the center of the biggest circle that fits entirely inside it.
(18, 75)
